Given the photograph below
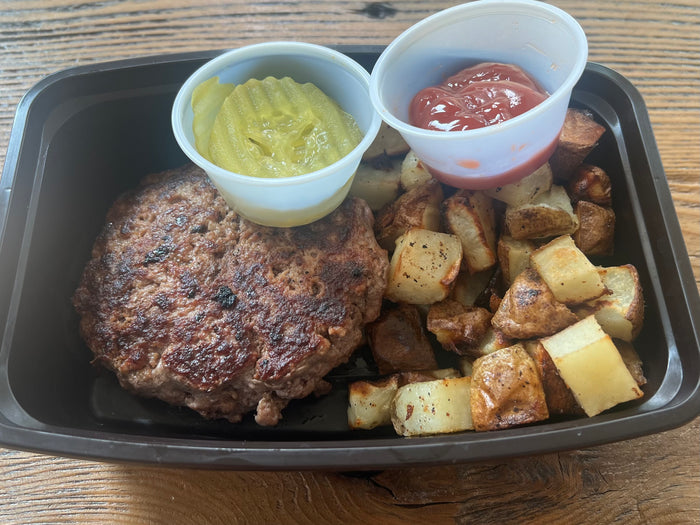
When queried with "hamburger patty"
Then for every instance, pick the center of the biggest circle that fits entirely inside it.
(190, 303)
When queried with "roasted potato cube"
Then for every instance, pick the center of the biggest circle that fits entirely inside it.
(369, 402)
(471, 217)
(398, 341)
(560, 399)
(493, 340)
(592, 184)
(632, 361)
(417, 208)
(433, 407)
(513, 256)
(413, 172)
(469, 287)
(526, 189)
(548, 215)
(567, 271)
(423, 267)
(377, 183)
(388, 142)
(506, 390)
(482, 289)
(578, 137)
(457, 327)
(591, 366)
(596, 231)
(620, 311)
(529, 309)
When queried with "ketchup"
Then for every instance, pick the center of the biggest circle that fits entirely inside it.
(478, 96)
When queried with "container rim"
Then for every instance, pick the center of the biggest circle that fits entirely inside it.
(369, 453)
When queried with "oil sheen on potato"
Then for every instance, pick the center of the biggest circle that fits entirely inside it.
(271, 127)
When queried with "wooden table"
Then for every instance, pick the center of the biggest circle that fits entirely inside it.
(654, 479)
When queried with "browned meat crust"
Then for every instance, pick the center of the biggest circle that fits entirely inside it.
(187, 302)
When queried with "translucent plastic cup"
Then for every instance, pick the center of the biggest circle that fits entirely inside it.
(543, 40)
(290, 201)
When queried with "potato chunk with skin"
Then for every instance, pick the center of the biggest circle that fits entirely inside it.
(526, 189)
(513, 256)
(567, 271)
(471, 217)
(632, 361)
(413, 172)
(596, 232)
(417, 208)
(457, 327)
(560, 399)
(493, 340)
(506, 390)
(433, 407)
(590, 183)
(548, 215)
(377, 182)
(620, 312)
(388, 142)
(469, 287)
(529, 309)
(398, 341)
(423, 267)
(369, 402)
(591, 366)
(579, 135)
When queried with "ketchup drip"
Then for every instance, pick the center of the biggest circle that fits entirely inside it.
(478, 96)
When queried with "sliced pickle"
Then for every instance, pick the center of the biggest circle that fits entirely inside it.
(207, 99)
(276, 128)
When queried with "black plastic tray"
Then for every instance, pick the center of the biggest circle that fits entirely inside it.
(83, 135)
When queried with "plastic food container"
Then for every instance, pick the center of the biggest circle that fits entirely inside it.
(290, 201)
(543, 40)
(74, 148)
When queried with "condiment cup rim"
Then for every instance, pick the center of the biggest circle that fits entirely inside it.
(447, 16)
(216, 65)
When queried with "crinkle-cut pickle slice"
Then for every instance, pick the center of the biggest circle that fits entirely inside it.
(271, 127)
(207, 99)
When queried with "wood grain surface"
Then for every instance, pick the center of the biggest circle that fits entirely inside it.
(654, 479)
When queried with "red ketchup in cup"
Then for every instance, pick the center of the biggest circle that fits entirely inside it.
(476, 97)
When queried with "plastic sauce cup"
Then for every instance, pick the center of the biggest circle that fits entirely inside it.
(543, 40)
(289, 201)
